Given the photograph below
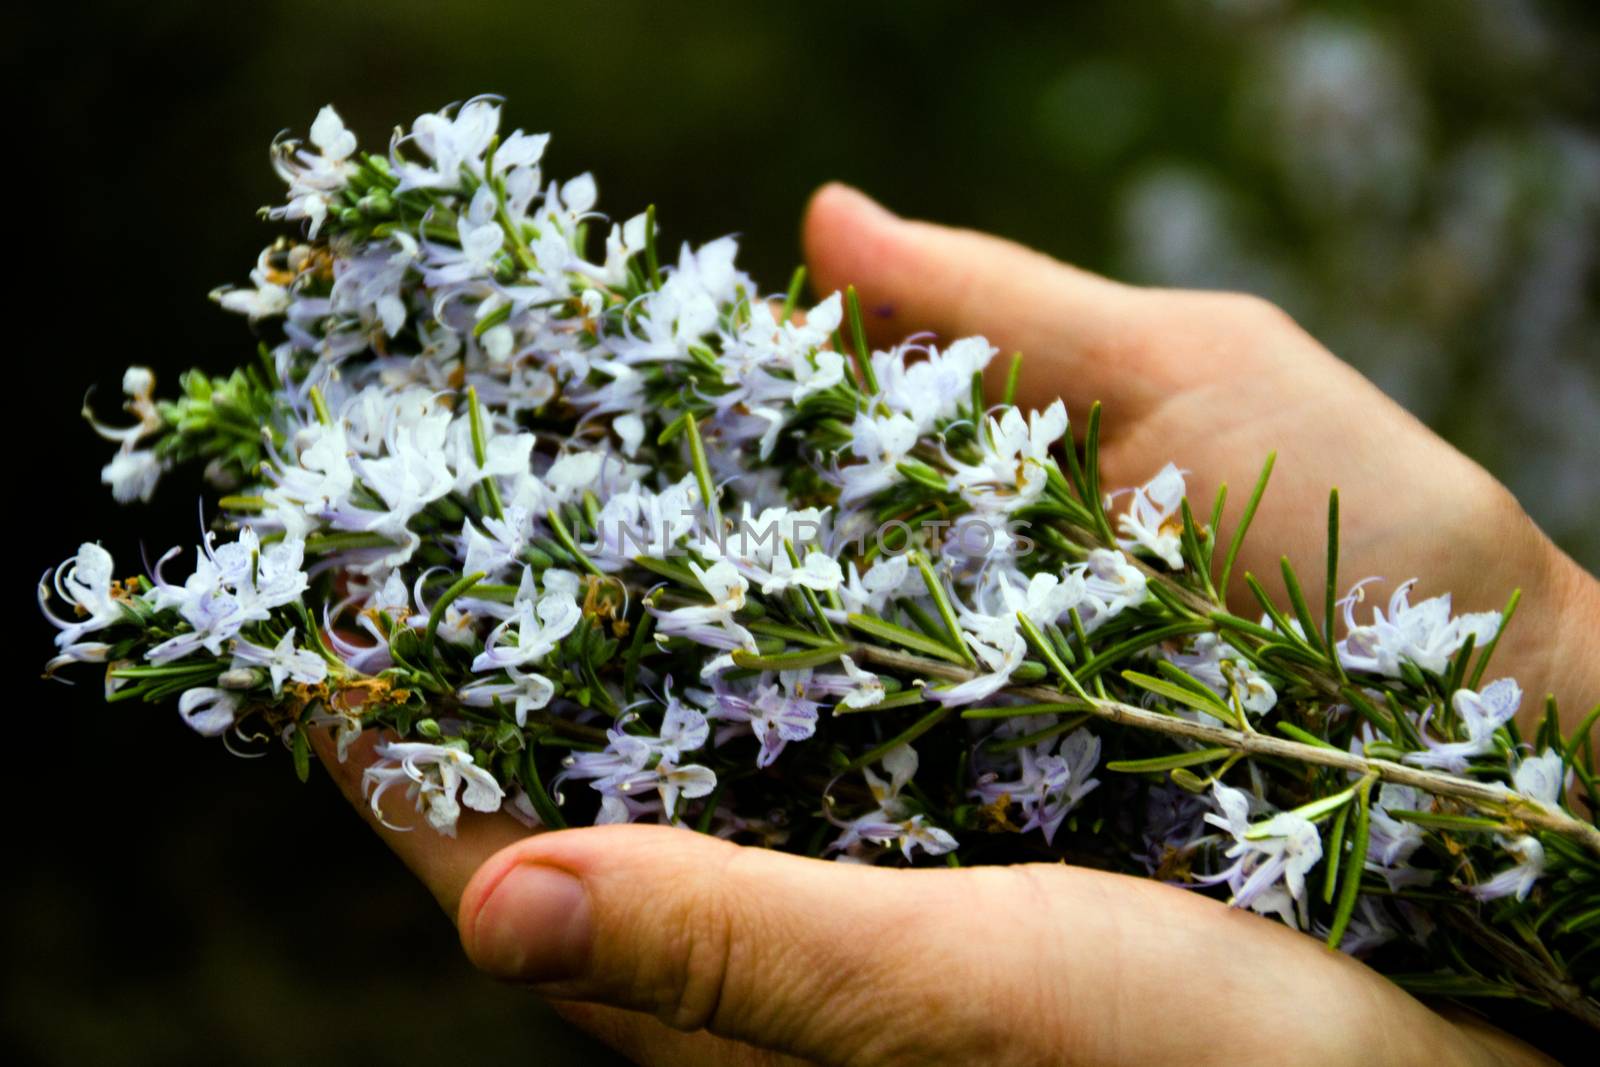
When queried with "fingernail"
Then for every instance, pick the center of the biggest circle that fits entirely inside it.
(534, 927)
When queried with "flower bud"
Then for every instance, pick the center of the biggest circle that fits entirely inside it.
(138, 382)
(240, 678)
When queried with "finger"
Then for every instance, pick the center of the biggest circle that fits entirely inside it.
(785, 953)
(446, 864)
(846, 963)
(915, 276)
(443, 864)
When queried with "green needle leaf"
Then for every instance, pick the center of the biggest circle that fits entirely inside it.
(1244, 524)
(1351, 889)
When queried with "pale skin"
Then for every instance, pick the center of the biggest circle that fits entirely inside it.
(677, 948)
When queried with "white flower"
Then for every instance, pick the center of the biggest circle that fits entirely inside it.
(1540, 778)
(535, 626)
(999, 646)
(883, 441)
(453, 142)
(886, 579)
(432, 774)
(1424, 633)
(712, 625)
(138, 384)
(855, 688)
(498, 545)
(269, 295)
(1271, 858)
(282, 661)
(84, 581)
(640, 522)
(623, 243)
(763, 345)
(629, 428)
(314, 177)
(1015, 460)
(412, 474)
(820, 572)
(527, 691)
(1517, 880)
(316, 485)
(686, 308)
(480, 238)
(891, 822)
(1113, 585)
(932, 387)
(1048, 597)
(1154, 521)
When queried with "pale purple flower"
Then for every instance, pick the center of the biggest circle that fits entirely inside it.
(1426, 634)
(1479, 714)
(775, 712)
(1048, 785)
(633, 763)
(1226, 671)
(855, 688)
(1391, 841)
(232, 585)
(1542, 778)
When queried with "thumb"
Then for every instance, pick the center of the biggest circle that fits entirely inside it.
(851, 964)
(915, 276)
(826, 961)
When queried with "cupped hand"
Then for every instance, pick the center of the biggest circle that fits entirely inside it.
(679, 948)
(1214, 382)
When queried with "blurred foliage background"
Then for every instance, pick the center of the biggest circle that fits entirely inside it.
(1418, 183)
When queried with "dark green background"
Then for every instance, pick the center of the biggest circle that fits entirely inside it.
(1419, 183)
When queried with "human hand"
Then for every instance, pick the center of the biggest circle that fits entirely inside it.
(751, 955)
(1214, 382)
(678, 948)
